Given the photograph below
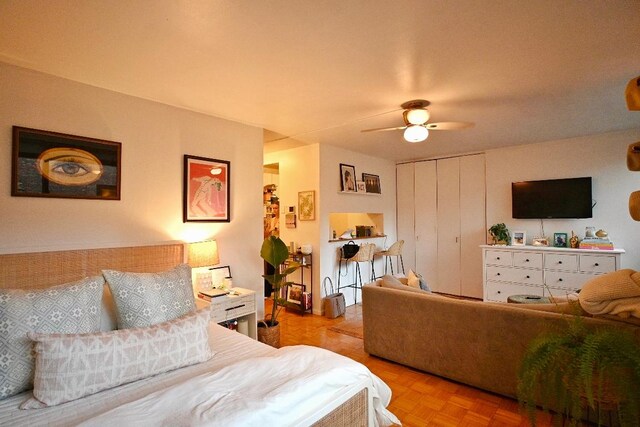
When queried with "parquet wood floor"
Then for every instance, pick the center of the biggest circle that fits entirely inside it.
(419, 399)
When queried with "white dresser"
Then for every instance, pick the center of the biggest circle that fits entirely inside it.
(540, 270)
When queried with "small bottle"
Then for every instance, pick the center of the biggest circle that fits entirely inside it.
(334, 234)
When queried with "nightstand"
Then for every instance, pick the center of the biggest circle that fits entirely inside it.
(240, 305)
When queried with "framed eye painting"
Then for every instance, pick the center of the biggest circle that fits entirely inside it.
(52, 164)
(207, 186)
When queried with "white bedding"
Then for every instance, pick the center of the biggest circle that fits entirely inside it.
(232, 368)
(278, 389)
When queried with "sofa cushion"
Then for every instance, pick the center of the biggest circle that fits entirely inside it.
(69, 308)
(391, 282)
(145, 299)
(416, 280)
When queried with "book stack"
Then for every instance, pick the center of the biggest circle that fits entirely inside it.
(209, 294)
(596, 243)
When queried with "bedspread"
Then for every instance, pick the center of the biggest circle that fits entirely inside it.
(276, 389)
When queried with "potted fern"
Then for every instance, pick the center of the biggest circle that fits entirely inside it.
(579, 368)
(500, 234)
(275, 252)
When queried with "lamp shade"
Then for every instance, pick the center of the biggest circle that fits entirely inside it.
(203, 254)
(416, 133)
(417, 116)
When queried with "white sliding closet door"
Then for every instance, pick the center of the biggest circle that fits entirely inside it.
(426, 222)
(405, 211)
(448, 265)
(473, 223)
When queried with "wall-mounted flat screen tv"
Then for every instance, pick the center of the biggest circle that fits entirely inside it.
(552, 198)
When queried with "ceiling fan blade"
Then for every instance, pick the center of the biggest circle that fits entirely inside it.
(383, 129)
(449, 125)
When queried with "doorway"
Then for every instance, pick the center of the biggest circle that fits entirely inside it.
(271, 211)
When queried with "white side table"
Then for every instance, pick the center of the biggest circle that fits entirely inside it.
(239, 305)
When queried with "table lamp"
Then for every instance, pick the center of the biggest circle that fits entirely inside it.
(201, 256)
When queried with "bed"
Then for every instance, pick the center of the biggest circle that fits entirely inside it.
(321, 388)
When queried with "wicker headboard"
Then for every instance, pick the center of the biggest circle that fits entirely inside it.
(44, 269)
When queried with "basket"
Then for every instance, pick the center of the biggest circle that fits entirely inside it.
(269, 335)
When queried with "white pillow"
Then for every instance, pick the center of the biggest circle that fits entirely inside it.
(69, 308)
(145, 299)
(416, 280)
(69, 367)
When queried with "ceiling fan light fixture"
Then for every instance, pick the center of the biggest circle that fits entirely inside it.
(418, 116)
(416, 133)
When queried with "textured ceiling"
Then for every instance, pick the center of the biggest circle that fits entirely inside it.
(320, 71)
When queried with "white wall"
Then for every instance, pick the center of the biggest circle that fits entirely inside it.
(602, 157)
(333, 201)
(154, 139)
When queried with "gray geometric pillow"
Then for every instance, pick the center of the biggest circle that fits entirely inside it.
(145, 299)
(72, 308)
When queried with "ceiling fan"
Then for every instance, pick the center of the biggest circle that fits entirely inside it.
(416, 116)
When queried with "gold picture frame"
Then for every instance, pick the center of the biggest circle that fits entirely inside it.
(307, 205)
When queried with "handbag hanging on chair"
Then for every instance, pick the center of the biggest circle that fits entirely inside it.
(333, 303)
(349, 250)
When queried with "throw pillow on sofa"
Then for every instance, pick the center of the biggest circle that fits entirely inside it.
(416, 280)
(394, 283)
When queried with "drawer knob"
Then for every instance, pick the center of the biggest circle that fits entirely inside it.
(497, 274)
(559, 262)
(498, 258)
(528, 277)
(560, 279)
(596, 264)
(526, 260)
(499, 292)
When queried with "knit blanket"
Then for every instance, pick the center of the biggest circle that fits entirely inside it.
(615, 293)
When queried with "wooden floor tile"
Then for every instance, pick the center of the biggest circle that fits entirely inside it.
(419, 398)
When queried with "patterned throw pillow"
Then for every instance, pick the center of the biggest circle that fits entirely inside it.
(66, 309)
(145, 299)
(69, 367)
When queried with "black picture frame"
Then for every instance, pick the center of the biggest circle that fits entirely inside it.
(347, 178)
(560, 240)
(218, 274)
(206, 195)
(372, 183)
(59, 165)
(294, 293)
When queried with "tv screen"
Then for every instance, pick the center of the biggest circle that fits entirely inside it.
(553, 198)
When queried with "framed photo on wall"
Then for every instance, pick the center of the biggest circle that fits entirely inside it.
(362, 188)
(347, 178)
(372, 183)
(306, 205)
(207, 189)
(52, 164)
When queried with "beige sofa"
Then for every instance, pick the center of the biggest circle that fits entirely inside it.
(472, 342)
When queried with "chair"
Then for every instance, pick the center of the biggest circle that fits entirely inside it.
(396, 251)
(364, 254)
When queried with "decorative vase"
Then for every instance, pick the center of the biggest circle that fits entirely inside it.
(269, 335)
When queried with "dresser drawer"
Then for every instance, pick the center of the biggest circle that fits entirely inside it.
(230, 307)
(561, 262)
(498, 258)
(499, 292)
(567, 280)
(597, 263)
(527, 259)
(510, 274)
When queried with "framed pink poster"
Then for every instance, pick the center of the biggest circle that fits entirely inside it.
(207, 184)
